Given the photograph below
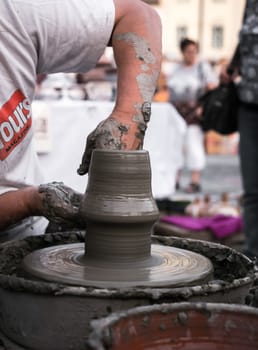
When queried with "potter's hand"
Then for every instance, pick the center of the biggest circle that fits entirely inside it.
(136, 41)
(60, 203)
(117, 132)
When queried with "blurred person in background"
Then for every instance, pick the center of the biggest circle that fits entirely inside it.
(247, 69)
(188, 80)
(44, 37)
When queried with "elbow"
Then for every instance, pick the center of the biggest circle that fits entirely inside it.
(138, 13)
(152, 18)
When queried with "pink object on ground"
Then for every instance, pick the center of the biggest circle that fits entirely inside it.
(220, 225)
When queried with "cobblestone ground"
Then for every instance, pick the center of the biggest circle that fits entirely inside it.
(222, 174)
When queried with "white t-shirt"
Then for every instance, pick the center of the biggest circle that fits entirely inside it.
(186, 82)
(39, 36)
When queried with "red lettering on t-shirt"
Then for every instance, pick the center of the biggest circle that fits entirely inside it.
(15, 122)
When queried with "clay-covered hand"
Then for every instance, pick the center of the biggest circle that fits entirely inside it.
(60, 203)
(114, 133)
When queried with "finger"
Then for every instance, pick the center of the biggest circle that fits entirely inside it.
(86, 158)
(43, 188)
(76, 199)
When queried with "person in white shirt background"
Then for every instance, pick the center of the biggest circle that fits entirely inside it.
(187, 81)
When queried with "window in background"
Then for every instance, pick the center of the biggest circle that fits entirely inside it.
(181, 33)
(217, 37)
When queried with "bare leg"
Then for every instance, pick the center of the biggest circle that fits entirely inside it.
(195, 176)
(178, 175)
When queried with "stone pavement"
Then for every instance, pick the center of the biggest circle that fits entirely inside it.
(222, 174)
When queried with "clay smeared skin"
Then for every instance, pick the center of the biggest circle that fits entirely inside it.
(146, 79)
(60, 203)
(107, 135)
(142, 49)
(110, 133)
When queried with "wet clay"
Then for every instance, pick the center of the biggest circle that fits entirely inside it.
(252, 297)
(118, 206)
(107, 136)
(232, 270)
(119, 211)
(60, 203)
(63, 309)
(166, 267)
(185, 326)
(146, 81)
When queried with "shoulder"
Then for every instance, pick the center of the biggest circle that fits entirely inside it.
(205, 67)
(205, 64)
(208, 72)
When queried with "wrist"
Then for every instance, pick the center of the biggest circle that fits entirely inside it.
(139, 113)
(33, 201)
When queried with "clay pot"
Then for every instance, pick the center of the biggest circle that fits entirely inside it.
(118, 206)
(185, 326)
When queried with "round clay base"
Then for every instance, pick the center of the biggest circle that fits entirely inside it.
(166, 267)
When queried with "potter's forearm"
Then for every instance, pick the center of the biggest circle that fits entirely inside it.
(136, 41)
(17, 205)
(54, 200)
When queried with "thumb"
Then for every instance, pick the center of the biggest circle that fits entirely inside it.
(86, 158)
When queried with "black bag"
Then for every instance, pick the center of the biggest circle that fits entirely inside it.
(220, 109)
(220, 106)
(188, 113)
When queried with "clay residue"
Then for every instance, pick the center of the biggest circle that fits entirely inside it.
(147, 79)
(12, 254)
(221, 256)
(60, 203)
(141, 46)
(233, 272)
(252, 297)
(107, 135)
(147, 84)
(141, 121)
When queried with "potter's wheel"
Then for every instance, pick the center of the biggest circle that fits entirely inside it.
(165, 267)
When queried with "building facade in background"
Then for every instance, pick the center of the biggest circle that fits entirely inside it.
(214, 24)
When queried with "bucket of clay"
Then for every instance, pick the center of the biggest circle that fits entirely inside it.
(181, 326)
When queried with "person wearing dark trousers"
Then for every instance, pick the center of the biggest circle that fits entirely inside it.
(247, 69)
